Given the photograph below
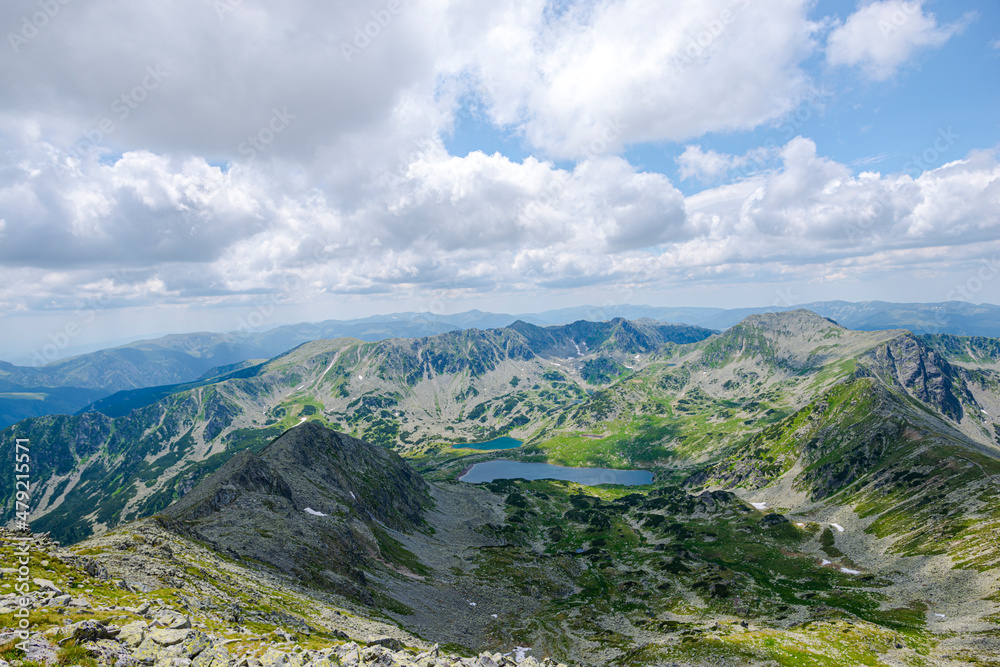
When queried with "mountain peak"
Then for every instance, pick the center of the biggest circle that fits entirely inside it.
(310, 481)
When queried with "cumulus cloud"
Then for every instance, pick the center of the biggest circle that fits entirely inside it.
(480, 222)
(652, 74)
(173, 154)
(883, 36)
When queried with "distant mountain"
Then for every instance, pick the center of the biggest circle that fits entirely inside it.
(69, 385)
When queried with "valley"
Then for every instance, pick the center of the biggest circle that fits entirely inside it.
(818, 495)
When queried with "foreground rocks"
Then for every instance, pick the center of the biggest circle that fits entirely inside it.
(137, 645)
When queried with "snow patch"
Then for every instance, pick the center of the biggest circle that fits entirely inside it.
(940, 615)
(826, 562)
(520, 653)
(839, 528)
(310, 510)
(760, 506)
(493, 615)
(846, 570)
(353, 497)
(472, 604)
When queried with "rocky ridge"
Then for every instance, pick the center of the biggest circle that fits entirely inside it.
(86, 616)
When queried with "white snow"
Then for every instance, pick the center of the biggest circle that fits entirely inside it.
(493, 615)
(940, 615)
(303, 420)
(839, 528)
(361, 377)
(519, 653)
(849, 571)
(800, 524)
(472, 604)
(310, 510)
(354, 497)
(760, 506)
(826, 562)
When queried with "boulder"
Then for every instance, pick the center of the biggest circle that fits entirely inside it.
(110, 652)
(133, 633)
(194, 644)
(214, 656)
(45, 584)
(90, 631)
(169, 637)
(390, 643)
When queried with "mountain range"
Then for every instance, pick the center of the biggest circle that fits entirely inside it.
(70, 385)
(817, 491)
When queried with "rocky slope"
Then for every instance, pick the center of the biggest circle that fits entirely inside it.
(313, 503)
(80, 613)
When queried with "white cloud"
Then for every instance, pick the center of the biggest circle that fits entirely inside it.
(883, 36)
(197, 234)
(658, 75)
(356, 194)
(710, 165)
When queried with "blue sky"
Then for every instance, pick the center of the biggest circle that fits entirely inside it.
(184, 166)
(880, 125)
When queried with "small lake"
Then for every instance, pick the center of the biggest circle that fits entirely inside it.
(487, 471)
(504, 442)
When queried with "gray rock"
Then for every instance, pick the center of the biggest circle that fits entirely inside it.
(109, 652)
(39, 650)
(214, 656)
(168, 637)
(390, 643)
(194, 644)
(89, 631)
(274, 658)
(172, 620)
(47, 585)
(149, 652)
(133, 633)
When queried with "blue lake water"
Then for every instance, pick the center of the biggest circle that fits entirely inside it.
(504, 442)
(487, 471)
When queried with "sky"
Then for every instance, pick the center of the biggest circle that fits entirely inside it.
(205, 164)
